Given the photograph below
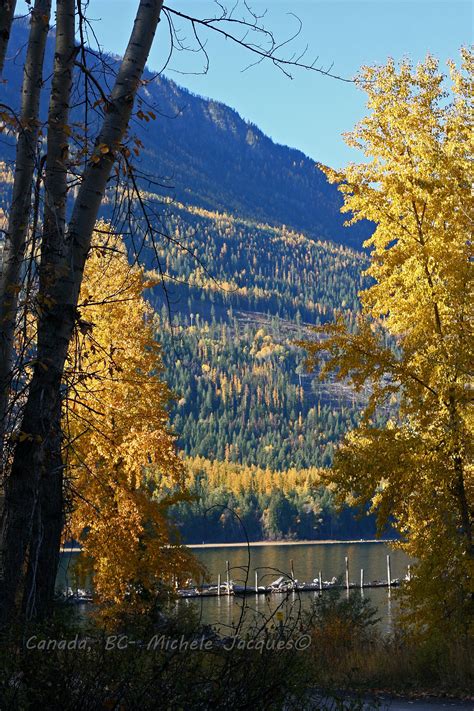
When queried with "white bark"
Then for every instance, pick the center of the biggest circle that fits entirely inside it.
(58, 316)
(15, 238)
(43, 554)
(7, 12)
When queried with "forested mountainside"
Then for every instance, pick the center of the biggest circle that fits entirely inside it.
(210, 157)
(252, 253)
(242, 393)
(231, 501)
(255, 428)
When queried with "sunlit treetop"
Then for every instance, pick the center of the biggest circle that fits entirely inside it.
(413, 343)
(123, 468)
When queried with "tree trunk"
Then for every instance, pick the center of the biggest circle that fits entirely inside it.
(459, 488)
(43, 553)
(59, 311)
(21, 522)
(15, 238)
(43, 557)
(7, 12)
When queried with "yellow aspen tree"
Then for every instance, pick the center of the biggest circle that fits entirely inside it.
(123, 468)
(413, 341)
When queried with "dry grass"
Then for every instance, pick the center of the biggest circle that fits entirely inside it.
(348, 650)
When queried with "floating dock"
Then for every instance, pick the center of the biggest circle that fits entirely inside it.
(242, 590)
(289, 584)
(284, 584)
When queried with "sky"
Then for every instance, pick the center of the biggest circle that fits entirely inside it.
(310, 111)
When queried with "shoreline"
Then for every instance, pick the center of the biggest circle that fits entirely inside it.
(255, 544)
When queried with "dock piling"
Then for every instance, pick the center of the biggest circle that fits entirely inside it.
(389, 573)
(228, 576)
(347, 573)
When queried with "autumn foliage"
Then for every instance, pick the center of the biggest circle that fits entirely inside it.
(413, 344)
(123, 468)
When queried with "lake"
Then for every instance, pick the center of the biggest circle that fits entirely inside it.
(271, 560)
(276, 559)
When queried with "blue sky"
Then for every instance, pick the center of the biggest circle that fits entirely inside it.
(309, 112)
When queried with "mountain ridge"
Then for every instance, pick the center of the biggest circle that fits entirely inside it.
(210, 157)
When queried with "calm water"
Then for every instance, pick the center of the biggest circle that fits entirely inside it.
(271, 561)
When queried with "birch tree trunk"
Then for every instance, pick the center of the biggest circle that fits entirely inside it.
(43, 556)
(7, 12)
(58, 316)
(15, 238)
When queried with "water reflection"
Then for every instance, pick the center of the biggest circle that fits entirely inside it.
(309, 562)
(367, 561)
